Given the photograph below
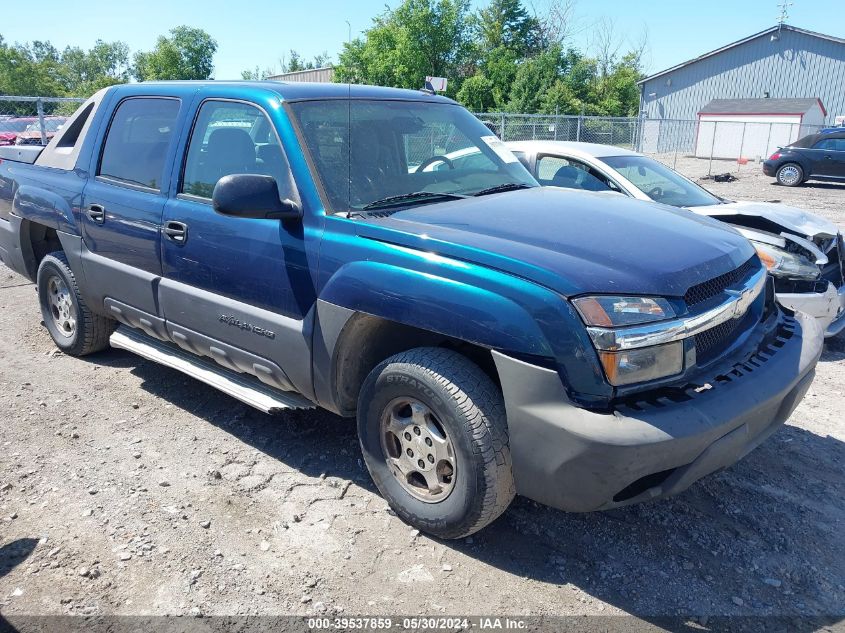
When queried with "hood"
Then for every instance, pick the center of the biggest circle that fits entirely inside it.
(792, 219)
(572, 242)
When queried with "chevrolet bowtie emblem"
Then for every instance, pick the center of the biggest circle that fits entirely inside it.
(744, 300)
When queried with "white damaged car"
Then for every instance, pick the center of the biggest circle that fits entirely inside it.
(804, 252)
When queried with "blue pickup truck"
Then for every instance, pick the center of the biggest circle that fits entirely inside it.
(301, 245)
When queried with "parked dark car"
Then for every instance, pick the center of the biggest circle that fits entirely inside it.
(32, 134)
(814, 157)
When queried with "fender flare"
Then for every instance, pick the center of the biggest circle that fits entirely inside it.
(38, 205)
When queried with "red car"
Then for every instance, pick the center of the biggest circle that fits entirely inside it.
(11, 128)
(32, 134)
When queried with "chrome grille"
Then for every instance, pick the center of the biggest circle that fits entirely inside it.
(714, 287)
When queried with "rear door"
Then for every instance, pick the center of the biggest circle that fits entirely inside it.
(123, 203)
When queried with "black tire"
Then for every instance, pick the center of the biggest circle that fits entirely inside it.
(91, 331)
(471, 411)
(790, 175)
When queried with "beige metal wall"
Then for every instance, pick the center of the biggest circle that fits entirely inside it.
(320, 75)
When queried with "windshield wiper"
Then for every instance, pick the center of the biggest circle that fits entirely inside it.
(508, 186)
(416, 196)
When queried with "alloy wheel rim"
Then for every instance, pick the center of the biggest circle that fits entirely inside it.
(418, 450)
(789, 175)
(62, 307)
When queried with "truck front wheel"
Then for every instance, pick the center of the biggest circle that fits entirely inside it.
(434, 436)
(74, 328)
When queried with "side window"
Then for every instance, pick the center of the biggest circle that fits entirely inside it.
(548, 166)
(827, 143)
(233, 138)
(557, 171)
(136, 145)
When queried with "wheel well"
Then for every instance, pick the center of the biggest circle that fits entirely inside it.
(367, 340)
(38, 240)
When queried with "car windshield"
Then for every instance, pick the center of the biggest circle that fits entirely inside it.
(14, 125)
(395, 153)
(659, 182)
(50, 125)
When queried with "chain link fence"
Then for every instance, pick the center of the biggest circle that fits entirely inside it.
(664, 139)
(33, 120)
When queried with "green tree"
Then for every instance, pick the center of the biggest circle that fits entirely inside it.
(29, 69)
(534, 78)
(476, 93)
(187, 54)
(500, 65)
(295, 62)
(404, 45)
(82, 72)
(507, 24)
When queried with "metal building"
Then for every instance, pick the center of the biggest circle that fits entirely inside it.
(321, 75)
(782, 62)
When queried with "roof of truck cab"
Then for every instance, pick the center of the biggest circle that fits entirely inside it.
(291, 91)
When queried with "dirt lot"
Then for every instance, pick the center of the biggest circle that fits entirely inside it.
(126, 488)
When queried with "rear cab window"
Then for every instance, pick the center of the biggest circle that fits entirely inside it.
(139, 135)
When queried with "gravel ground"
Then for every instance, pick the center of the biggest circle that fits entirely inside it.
(827, 199)
(127, 488)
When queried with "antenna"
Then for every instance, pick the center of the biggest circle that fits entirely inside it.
(784, 11)
(783, 5)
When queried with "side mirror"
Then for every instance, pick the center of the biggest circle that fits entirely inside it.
(252, 196)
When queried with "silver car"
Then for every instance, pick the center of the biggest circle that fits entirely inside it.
(804, 252)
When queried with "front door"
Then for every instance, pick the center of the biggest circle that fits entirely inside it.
(829, 158)
(122, 205)
(237, 290)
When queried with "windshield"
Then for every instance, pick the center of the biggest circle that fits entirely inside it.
(660, 183)
(50, 125)
(370, 151)
(13, 125)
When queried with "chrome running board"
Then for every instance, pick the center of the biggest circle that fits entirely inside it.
(241, 386)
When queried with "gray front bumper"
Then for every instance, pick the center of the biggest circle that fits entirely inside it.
(828, 308)
(577, 460)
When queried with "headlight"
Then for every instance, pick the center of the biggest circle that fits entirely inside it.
(610, 311)
(782, 263)
(633, 365)
(645, 363)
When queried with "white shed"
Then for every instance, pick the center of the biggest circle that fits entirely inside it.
(752, 128)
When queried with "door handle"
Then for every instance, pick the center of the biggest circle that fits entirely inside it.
(176, 231)
(97, 213)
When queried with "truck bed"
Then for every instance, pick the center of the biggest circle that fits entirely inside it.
(21, 153)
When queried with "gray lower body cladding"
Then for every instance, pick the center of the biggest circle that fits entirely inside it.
(577, 460)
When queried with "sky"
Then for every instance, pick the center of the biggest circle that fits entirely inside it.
(251, 33)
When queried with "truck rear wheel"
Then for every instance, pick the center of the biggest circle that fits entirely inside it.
(434, 436)
(74, 328)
